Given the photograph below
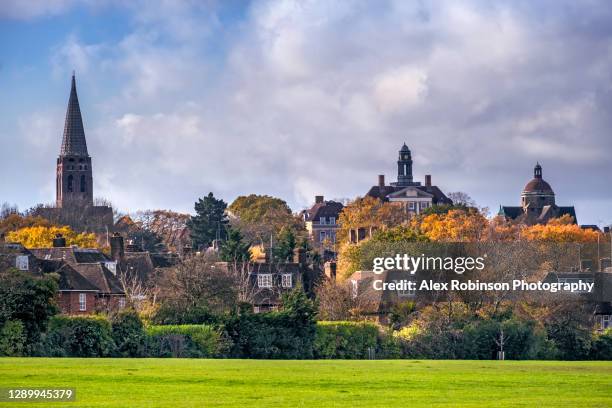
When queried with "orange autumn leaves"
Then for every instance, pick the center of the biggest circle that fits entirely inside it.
(458, 225)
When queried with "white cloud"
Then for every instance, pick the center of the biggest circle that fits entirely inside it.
(305, 97)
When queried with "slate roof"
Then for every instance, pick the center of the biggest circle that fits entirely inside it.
(383, 192)
(324, 209)
(548, 212)
(73, 141)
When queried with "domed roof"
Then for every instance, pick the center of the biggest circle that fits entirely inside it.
(404, 148)
(537, 184)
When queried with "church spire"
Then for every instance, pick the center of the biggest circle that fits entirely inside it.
(73, 142)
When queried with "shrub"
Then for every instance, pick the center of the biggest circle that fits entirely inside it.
(601, 346)
(28, 299)
(128, 334)
(345, 340)
(12, 339)
(184, 341)
(79, 336)
(288, 334)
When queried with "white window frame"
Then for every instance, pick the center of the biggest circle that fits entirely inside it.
(332, 220)
(322, 220)
(287, 280)
(411, 205)
(22, 262)
(264, 280)
(355, 288)
(122, 303)
(82, 302)
(606, 322)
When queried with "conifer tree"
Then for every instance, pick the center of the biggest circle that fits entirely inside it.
(209, 222)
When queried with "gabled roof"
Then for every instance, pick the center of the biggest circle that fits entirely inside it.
(73, 142)
(410, 191)
(383, 193)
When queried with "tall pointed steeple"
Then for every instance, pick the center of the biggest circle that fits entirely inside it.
(73, 142)
(74, 175)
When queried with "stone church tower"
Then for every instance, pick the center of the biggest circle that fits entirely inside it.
(74, 175)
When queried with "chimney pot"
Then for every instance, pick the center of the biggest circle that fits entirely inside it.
(381, 180)
(318, 199)
(428, 180)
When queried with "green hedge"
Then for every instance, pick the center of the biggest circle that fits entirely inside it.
(345, 340)
(82, 336)
(187, 340)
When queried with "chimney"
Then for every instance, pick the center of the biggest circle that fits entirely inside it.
(606, 229)
(428, 180)
(116, 244)
(59, 241)
(381, 180)
(318, 199)
(330, 270)
(299, 256)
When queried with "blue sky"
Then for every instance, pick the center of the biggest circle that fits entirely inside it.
(301, 98)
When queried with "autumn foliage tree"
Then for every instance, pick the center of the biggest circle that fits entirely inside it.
(42, 237)
(455, 226)
(559, 230)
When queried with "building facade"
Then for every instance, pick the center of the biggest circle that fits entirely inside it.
(322, 223)
(538, 204)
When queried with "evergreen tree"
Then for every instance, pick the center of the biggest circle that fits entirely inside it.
(234, 249)
(283, 250)
(209, 222)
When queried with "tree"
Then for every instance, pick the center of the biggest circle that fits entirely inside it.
(234, 249)
(260, 217)
(460, 198)
(455, 226)
(369, 213)
(195, 291)
(28, 299)
(209, 222)
(42, 237)
(285, 245)
(559, 230)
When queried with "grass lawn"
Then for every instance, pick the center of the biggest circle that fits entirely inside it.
(256, 383)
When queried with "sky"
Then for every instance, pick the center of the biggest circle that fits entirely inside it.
(302, 98)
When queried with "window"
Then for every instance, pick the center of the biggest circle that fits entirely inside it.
(405, 292)
(256, 309)
(70, 180)
(603, 322)
(264, 280)
(332, 220)
(287, 280)
(423, 205)
(321, 236)
(121, 303)
(411, 205)
(82, 302)
(322, 220)
(83, 184)
(355, 288)
(22, 263)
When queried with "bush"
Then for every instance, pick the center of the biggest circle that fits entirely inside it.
(12, 339)
(288, 334)
(128, 334)
(79, 336)
(28, 299)
(601, 346)
(188, 340)
(345, 340)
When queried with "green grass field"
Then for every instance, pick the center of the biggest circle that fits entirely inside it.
(256, 383)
